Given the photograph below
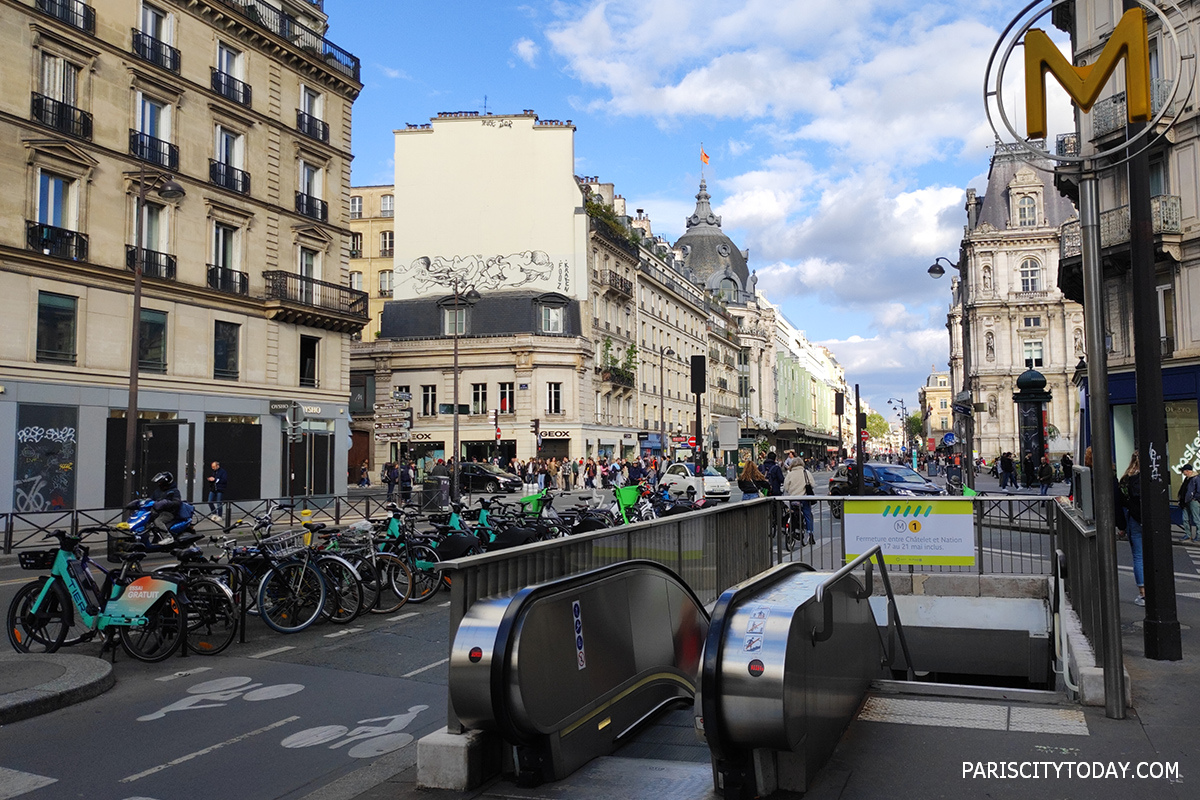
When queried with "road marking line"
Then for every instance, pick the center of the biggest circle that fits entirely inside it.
(184, 674)
(14, 782)
(404, 616)
(274, 652)
(342, 632)
(208, 750)
(444, 605)
(428, 666)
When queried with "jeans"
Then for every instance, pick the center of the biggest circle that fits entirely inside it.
(1191, 518)
(214, 501)
(751, 495)
(806, 510)
(1134, 529)
(1045, 489)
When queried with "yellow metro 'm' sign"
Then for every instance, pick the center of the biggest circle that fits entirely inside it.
(1083, 84)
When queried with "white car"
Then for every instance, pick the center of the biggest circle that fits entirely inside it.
(681, 476)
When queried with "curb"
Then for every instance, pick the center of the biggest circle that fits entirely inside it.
(84, 677)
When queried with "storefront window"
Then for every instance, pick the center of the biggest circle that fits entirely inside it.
(1183, 439)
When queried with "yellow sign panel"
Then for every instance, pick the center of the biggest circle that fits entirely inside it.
(1083, 84)
(913, 530)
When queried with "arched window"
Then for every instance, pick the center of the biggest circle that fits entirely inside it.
(1027, 212)
(728, 289)
(356, 281)
(1031, 276)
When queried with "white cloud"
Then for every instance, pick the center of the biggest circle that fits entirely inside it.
(393, 73)
(526, 50)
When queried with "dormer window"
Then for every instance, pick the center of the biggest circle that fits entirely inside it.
(551, 312)
(1027, 212)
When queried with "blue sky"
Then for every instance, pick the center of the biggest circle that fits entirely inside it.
(842, 133)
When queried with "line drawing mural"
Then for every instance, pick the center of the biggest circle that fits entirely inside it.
(493, 272)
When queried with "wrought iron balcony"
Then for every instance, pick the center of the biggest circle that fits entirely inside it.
(312, 127)
(156, 151)
(56, 242)
(154, 264)
(1109, 115)
(73, 12)
(230, 87)
(60, 116)
(230, 281)
(227, 177)
(301, 300)
(386, 252)
(285, 26)
(617, 283)
(156, 51)
(617, 376)
(1067, 144)
(311, 206)
(1165, 213)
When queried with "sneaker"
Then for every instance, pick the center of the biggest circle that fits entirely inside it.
(1140, 600)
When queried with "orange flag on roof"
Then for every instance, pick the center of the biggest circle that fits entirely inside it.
(703, 155)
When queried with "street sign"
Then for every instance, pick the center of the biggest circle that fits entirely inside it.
(392, 406)
(383, 436)
(962, 408)
(407, 423)
(394, 425)
(865, 436)
(401, 395)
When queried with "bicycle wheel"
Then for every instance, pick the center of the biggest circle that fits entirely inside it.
(160, 637)
(343, 591)
(789, 536)
(291, 595)
(425, 581)
(395, 583)
(368, 578)
(42, 630)
(212, 617)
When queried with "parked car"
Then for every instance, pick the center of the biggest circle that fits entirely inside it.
(681, 476)
(895, 479)
(487, 478)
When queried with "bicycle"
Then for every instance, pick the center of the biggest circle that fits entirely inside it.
(144, 612)
(386, 578)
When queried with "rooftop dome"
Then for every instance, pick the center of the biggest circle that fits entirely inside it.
(707, 251)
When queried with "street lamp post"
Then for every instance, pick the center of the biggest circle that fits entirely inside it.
(902, 410)
(169, 190)
(663, 352)
(471, 296)
(968, 466)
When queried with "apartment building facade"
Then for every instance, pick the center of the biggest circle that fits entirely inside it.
(246, 107)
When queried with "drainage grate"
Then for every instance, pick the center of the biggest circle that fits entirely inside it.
(974, 715)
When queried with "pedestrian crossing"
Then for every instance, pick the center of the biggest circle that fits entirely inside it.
(14, 783)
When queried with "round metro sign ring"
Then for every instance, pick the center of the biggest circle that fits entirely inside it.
(1127, 43)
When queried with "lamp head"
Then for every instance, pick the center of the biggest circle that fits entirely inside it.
(472, 296)
(936, 271)
(668, 352)
(170, 190)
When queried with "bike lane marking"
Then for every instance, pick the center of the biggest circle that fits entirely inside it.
(422, 669)
(409, 615)
(183, 674)
(342, 632)
(209, 749)
(274, 652)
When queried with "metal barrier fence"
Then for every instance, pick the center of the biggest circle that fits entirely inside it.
(1079, 547)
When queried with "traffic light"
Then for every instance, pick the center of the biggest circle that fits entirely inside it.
(535, 427)
(494, 418)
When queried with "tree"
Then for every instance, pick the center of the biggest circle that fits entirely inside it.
(914, 425)
(877, 426)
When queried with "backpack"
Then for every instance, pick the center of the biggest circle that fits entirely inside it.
(186, 512)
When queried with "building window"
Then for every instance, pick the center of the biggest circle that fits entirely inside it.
(356, 207)
(356, 281)
(229, 157)
(454, 321)
(945, 423)
(1033, 354)
(1158, 177)
(941, 381)
(479, 403)
(553, 398)
(387, 206)
(1031, 276)
(1027, 212)
(387, 241)
(356, 245)
(308, 273)
(227, 78)
(310, 103)
(151, 139)
(552, 319)
(1033, 322)
(385, 283)
(508, 398)
(943, 404)
(152, 342)
(225, 350)
(309, 348)
(56, 328)
(429, 404)
(56, 200)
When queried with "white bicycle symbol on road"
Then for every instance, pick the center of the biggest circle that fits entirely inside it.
(373, 740)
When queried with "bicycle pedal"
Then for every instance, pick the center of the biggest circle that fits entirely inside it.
(92, 610)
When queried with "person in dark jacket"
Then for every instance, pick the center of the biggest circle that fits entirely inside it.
(1045, 475)
(1008, 471)
(774, 475)
(1131, 492)
(391, 476)
(406, 482)
(1029, 470)
(216, 489)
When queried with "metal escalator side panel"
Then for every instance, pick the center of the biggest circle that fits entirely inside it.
(474, 658)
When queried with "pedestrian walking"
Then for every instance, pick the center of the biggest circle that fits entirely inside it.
(364, 474)
(774, 475)
(1028, 470)
(1131, 494)
(406, 482)
(1189, 503)
(391, 476)
(751, 481)
(799, 480)
(1045, 475)
(216, 490)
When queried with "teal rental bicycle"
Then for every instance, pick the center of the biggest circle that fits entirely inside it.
(145, 611)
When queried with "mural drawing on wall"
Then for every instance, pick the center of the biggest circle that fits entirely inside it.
(475, 271)
(44, 479)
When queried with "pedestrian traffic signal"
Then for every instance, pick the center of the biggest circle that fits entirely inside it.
(494, 417)
(535, 427)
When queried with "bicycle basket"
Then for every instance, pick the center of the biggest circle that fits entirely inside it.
(628, 495)
(37, 560)
(285, 544)
(119, 545)
(534, 503)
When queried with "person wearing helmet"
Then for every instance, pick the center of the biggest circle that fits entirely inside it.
(167, 499)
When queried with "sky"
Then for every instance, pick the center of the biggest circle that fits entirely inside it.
(841, 134)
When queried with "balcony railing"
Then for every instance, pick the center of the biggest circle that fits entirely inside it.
(386, 252)
(156, 51)
(285, 26)
(72, 12)
(385, 292)
(1109, 115)
(154, 264)
(290, 287)
(230, 87)
(156, 151)
(1165, 214)
(617, 283)
(311, 206)
(1067, 144)
(230, 281)
(617, 376)
(60, 116)
(56, 242)
(312, 127)
(227, 177)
